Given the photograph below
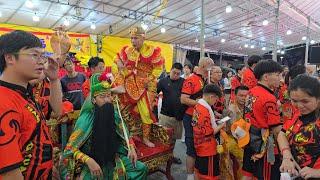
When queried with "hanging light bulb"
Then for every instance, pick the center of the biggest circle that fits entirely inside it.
(304, 38)
(289, 32)
(312, 41)
(282, 52)
(66, 22)
(252, 46)
(93, 26)
(196, 40)
(35, 18)
(228, 9)
(265, 22)
(263, 48)
(246, 45)
(163, 30)
(278, 51)
(223, 40)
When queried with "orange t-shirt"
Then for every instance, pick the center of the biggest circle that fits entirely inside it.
(24, 137)
(191, 86)
(248, 78)
(203, 133)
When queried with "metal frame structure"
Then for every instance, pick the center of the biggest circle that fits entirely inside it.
(182, 20)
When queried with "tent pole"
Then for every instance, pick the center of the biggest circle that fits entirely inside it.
(276, 28)
(307, 43)
(202, 30)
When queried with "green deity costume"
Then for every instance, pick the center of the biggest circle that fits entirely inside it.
(80, 147)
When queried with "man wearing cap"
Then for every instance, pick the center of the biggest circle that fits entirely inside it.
(72, 84)
(100, 141)
(138, 69)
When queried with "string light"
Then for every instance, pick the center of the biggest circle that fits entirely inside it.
(29, 4)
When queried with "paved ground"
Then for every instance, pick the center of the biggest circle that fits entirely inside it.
(178, 171)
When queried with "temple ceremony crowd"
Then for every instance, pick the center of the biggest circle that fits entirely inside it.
(255, 121)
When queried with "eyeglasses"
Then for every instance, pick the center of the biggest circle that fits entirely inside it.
(217, 72)
(35, 57)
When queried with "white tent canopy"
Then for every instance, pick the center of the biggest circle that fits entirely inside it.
(245, 29)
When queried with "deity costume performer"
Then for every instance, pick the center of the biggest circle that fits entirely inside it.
(100, 137)
(138, 69)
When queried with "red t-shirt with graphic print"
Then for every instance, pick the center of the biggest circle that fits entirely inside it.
(24, 139)
(261, 108)
(192, 85)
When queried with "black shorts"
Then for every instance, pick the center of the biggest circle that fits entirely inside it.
(260, 169)
(188, 130)
(202, 165)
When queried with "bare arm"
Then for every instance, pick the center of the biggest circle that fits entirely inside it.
(185, 99)
(284, 144)
(218, 128)
(14, 174)
(288, 163)
(55, 98)
(276, 130)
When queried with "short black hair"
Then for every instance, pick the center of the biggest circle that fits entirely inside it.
(14, 41)
(266, 66)
(296, 70)
(241, 88)
(190, 66)
(239, 67)
(307, 84)
(94, 61)
(212, 89)
(254, 59)
(177, 66)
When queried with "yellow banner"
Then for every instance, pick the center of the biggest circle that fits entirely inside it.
(86, 47)
(80, 42)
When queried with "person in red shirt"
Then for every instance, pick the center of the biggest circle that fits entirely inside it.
(96, 65)
(262, 112)
(236, 82)
(288, 110)
(204, 129)
(248, 77)
(25, 144)
(191, 91)
(215, 78)
(300, 144)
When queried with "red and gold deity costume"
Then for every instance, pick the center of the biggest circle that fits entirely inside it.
(139, 78)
